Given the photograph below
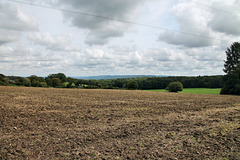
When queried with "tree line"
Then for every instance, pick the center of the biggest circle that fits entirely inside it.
(60, 80)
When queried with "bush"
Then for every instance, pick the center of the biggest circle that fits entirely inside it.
(175, 87)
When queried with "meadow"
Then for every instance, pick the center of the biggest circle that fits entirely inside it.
(51, 123)
(195, 90)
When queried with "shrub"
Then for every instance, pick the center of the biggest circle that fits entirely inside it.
(175, 87)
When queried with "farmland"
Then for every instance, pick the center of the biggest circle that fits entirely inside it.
(50, 123)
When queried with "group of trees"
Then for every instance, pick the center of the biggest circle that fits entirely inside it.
(60, 80)
(53, 80)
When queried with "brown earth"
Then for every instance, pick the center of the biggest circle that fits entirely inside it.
(41, 123)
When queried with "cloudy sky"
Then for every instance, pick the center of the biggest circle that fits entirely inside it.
(116, 37)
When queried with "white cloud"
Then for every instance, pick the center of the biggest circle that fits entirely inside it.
(57, 43)
(101, 30)
(191, 19)
(206, 21)
(13, 23)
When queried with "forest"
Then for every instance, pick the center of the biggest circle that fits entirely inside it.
(60, 80)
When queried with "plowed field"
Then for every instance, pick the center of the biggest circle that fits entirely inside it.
(41, 123)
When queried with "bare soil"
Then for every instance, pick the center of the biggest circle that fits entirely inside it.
(42, 123)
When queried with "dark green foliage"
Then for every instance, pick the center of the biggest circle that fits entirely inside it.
(232, 85)
(56, 82)
(35, 80)
(132, 85)
(27, 82)
(71, 80)
(142, 83)
(35, 83)
(15, 80)
(2, 80)
(61, 76)
(232, 70)
(43, 84)
(2, 77)
(48, 81)
(118, 83)
(175, 87)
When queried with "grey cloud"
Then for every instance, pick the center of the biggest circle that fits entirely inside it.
(186, 40)
(227, 18)
(102, 36)
(12, 18)
(8, 36)
(225, 23)
(13, 23)
(58, 43)
(101, 30)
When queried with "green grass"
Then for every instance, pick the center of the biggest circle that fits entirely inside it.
(194, 90)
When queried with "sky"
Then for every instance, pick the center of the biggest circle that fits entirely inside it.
(116, 37)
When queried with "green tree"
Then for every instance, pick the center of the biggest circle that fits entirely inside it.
(27, 82)
(71, 80)
(175, 87)
(232, 70)
(35, 83)
(73, 85)
(132, 84)
(35, 80)
(48, 81)
(42, 84)
(100, 85)
(56, 82)
(66, 85)
(2, 79)
(61, 76)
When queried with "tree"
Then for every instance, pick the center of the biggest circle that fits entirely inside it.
(26, 82)
(35, 83)
(56, 82)
(61, 76)
(2, 79)
(43, 84)
(175, 87)
(132, 84)
(48, 81)
(232, 70)
(35, 80)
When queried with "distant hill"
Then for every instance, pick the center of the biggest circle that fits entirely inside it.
(115, 76)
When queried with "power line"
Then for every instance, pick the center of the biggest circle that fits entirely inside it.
(113, 19)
